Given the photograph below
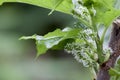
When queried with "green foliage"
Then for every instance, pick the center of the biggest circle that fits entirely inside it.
(105, 12)
(83, 42)
(100, 11)
(90, 13)
(59, 5)
(57, 37)
(115, 72)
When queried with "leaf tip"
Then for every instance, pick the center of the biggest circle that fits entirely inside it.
(27, 37)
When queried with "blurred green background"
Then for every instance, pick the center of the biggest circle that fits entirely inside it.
(17, 57)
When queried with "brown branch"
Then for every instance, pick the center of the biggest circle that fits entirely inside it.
(103, 73)
(114, 44)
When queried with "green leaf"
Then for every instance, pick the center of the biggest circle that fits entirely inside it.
(114, 72)
(105, 12)
(59, 5)
(54, 40)
(101, 11)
